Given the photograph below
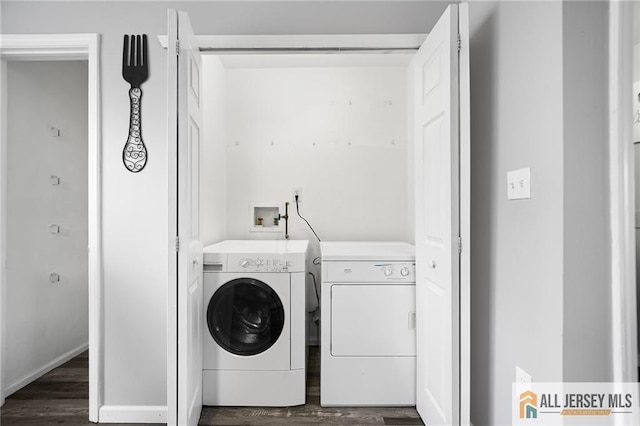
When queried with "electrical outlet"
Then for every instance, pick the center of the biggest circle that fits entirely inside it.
(297, 190)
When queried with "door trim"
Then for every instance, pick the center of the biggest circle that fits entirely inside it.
(464, 95)
(58, 47)
(621, 187)
(347, 43)
(172, 232)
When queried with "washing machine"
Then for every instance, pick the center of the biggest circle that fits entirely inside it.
(254, 344)
(368, 336)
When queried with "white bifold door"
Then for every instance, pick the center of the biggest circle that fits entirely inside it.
(185, 298)
(441, 99)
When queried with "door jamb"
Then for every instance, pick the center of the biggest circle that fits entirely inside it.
(347, 43)
(249, 44)
(621, 186)
(21, 47)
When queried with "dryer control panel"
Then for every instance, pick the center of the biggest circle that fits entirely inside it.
(372, 272)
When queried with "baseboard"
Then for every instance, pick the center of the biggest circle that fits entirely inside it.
(133, 414)
(24, 381)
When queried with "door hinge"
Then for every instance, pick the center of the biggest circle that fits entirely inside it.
(459, 244)
(177, 243)
(459, 42)
(178, 47)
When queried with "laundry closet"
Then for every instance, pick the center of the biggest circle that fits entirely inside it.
(333, 126)
(328, 139)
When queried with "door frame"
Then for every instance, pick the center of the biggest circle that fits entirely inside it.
(622, 199)
(61, 47)
(345, 43)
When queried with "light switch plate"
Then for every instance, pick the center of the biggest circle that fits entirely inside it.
(519, 184)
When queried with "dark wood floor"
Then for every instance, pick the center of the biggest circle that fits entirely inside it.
(61, 397)
(58, 397)
(311, 412)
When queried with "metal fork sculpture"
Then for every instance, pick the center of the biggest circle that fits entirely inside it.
(135, 70)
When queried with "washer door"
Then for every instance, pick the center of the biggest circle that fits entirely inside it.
(245, 316)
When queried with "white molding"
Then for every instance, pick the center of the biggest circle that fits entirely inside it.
(621, 187)
(312, 42)
(70, 47)
(36, 374)
(464, 93)
(96, 305)
(3, 215)
(172, 225)
(45, 46)
(133, 414)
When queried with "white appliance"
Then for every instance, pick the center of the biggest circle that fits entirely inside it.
(368, 339)
(254, 322)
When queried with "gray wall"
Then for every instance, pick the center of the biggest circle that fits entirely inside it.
(587, 322)
(516, 262)
(540, 267)
(46, 323)
(636, 138)
(134, 206)
(518, 96)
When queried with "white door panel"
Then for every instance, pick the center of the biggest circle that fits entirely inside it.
(184, 66)
(436, 132)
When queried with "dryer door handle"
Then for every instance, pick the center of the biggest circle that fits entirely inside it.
(412, 321)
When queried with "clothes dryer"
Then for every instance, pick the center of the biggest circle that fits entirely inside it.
(368, 338)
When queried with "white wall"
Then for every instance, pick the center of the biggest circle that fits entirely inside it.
(339, 133)
(213, 152)
(45, 323)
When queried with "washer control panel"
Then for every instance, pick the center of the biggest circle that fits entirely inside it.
(264, 262)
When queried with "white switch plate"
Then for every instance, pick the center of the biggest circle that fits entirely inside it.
(519, 184)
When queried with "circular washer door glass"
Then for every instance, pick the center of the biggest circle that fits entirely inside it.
(245, 316)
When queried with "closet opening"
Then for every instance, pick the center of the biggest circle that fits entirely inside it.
(334, 124)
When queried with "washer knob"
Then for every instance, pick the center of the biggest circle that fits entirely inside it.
(388, 272)
(244, 263)
(404, 271)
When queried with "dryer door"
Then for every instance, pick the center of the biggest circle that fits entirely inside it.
(245, 316)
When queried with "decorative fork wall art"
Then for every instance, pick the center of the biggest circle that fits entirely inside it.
(135, 70)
